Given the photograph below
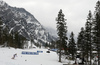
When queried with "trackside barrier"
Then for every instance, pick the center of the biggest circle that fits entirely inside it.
(55, 50)
(39, 51)
(30, 53)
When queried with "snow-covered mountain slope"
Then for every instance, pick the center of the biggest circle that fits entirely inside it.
(21, 59)
(51, 31)
(18, 19)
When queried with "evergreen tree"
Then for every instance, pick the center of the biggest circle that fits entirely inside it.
(46, 45)
(32, 41)
(5, 35)
(72, 45)
(81, 40)
(22, 40)
(96, 29)
(1, 32)
(53, 44)
(19, 40)
(11, 39)
(16, 40)
(88, 37)
(11, 42)
(62, 31)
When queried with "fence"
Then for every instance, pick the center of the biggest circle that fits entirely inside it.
(29, 53)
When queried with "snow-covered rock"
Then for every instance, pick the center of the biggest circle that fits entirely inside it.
(18, 19)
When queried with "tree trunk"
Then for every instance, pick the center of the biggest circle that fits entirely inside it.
(90, 55)
(60, 55)
(98, 57)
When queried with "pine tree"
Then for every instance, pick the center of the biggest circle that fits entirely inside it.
(16, 40)
(62, 31)
(1, 31)
(22, 40)
(5, 35)
(88, 36)
(81, 40)
(96, 29)
(11, 42)
(72, 45)
(19, 40)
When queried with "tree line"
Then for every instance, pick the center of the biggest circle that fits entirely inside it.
(69, 47)
(88, 39)
(89, 36)
(10, 38)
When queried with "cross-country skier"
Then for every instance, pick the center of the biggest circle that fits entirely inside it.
(14, 56)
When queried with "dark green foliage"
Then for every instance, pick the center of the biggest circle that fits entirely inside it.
(96, 29)
(81, 40)
(52, 45)
(1, 31)
(10, 39)
(19, 40)
(5, 34)
(84, 41)
(46, 45)
(72, 45)
(62, 31)
(38, 45)
(88, 37)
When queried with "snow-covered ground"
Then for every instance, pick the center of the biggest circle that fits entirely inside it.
(41, 59)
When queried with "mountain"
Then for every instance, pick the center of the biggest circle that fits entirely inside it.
(52, 31)
(19, 20)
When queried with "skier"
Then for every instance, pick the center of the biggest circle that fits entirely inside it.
(14, 56)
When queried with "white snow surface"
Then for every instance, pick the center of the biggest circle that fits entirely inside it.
(42, 59)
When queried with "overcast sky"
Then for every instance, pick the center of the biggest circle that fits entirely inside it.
(45, 11)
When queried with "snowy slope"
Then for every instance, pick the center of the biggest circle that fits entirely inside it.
(42, 59)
